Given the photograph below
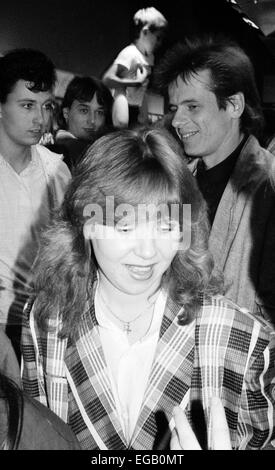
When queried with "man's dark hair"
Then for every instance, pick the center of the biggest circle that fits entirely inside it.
(231, 71)
(26, 64)
(83, 89)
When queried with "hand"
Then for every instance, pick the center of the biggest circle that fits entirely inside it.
(141, 74)
(183, 437)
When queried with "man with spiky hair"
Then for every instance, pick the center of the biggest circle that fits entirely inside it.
(215, 111)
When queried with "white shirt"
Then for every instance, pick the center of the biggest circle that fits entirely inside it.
(24, 211)
(64, 134)
(130, 57)
(128, 365)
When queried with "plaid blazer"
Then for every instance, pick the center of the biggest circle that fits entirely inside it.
(223, 352)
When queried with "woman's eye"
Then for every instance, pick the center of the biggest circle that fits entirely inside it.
(169, 226)
(165, 228)
(124, 228)
(100, 112)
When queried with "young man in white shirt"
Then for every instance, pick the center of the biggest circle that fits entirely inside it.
(32, 179)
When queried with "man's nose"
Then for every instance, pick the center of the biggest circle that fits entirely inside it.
(180, 118)
(39, 115)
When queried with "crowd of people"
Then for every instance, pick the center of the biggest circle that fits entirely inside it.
(137, 260)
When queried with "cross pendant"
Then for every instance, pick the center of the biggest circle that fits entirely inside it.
(126, 327)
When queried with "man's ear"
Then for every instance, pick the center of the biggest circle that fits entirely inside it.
(236, 104)
(65, 112)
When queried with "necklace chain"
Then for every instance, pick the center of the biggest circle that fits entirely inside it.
(126, 324)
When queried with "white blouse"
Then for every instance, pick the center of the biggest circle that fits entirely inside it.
(128, 364)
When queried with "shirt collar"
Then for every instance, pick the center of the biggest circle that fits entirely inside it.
(104, 321)
(222, 170)
(34, 161)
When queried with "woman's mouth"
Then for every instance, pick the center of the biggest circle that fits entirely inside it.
(140, 272)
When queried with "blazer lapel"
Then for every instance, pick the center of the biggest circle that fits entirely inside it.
(226, 223)
(247, 174)
(169, 381)
(97, 424)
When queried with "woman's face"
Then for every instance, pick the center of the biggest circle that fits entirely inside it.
(85, 118)
(134, 254)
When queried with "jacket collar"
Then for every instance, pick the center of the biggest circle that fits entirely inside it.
(252, 165)
(250, 171)
(168, 384)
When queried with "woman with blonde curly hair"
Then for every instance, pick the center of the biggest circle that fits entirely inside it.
(127, 320)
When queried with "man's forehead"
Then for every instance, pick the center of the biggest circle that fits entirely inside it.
(22, 89)
(199, 81)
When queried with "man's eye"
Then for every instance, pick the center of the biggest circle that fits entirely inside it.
(27, 105)
(83, 110)
(192, 107)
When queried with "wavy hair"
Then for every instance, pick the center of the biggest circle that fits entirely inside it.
(134, 167)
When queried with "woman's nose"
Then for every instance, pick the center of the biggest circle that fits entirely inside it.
(145, 247)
